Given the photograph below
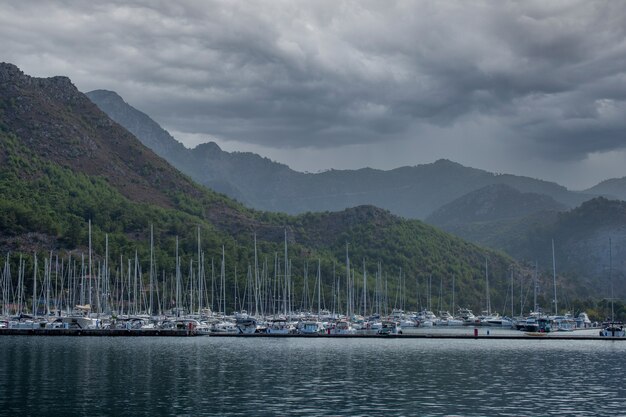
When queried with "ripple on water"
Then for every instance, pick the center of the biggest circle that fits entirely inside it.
(234, 376)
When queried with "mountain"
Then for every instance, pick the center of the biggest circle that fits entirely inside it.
(611, 188)
(523, 225)
(412, 192)
(517, 215)
(492, 203)
(153, 136)
(494, 214)
(581, 239)
(64, 162)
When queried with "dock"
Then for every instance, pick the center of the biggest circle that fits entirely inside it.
(192, 333)
(521, 336)
(99, 332)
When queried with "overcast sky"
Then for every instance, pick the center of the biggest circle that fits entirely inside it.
(536, 88)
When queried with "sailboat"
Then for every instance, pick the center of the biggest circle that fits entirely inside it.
(488, 318)
(612, 328)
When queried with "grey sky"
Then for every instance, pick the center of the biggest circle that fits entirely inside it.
(535, 88)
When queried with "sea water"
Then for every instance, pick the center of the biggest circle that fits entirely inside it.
(161, 376)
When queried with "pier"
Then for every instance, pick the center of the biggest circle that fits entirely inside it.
(193, 333)
(99, 332)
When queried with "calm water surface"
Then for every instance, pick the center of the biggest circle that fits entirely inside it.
(72, 376)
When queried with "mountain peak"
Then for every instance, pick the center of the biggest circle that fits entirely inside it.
(446, 162)
(105, 95)
(208, 148)
(9, 71)
(493, 202)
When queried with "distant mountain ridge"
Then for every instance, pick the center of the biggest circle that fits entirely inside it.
(517, 215)
(492, 203)
(611, 188)
(412, 192)
(523, 225)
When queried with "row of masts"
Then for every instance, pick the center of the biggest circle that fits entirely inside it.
(80, 282)
(96, 287)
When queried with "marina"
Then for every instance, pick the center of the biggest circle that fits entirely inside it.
(127, 305)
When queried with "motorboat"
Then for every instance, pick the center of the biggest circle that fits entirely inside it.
(469, 319)
(613, 329)
(538, 324)
(390, 327)
(245, 324)
(342, 327)
(310, 327)
(192, 325)
(582, 321)
(564, 323)
(224, 326)
(279, 326)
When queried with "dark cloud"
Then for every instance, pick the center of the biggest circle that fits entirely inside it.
(549, 77)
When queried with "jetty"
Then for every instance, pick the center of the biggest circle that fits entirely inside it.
(194, 333)
(99, 332)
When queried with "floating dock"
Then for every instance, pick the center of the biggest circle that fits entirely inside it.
(188, 333)
(522, 336)
(98, 332)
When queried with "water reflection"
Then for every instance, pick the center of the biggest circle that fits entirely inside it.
(243, 377)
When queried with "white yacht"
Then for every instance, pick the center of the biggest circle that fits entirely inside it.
(582, 321)
(192, 325)
(342, 327)
(310, 327)
(426, 318)
(245, 323)
(390, 327)
(279, 326)
(469, 319)
(224, 326)
(564, 323)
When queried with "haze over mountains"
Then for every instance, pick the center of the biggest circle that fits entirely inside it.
(519, 215)
(412, 192)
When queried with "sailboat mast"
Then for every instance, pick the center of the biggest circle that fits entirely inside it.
(611, 281)
(223, 278)
(487, 287)
(200, 264)
(177, 281)
(556, 308)
(319, 289)
(90, 303)
(364, 290)
(256, 280)
(285, 283)
(512, 303)
(348, 295)
(151, 267)
(535, 288)
(453, 294)
(105, 276)
(35, 286)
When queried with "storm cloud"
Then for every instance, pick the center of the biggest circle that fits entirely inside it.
(384, 83)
